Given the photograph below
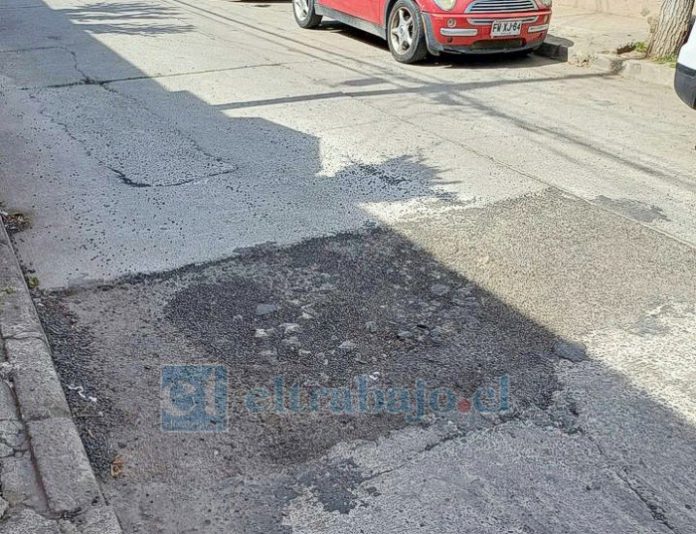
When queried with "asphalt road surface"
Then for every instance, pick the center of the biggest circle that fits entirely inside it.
(204, 184)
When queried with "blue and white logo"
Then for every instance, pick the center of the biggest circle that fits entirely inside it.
(194, 398)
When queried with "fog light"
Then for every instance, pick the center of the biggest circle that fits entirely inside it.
(451, 23)
(546, 19)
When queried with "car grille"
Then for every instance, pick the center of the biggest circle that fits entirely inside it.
(501, 6)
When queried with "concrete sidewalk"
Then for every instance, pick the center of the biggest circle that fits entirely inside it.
(47, 484)
(603, 41)
(591, 33)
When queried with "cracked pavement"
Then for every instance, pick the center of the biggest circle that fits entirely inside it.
(207, 184)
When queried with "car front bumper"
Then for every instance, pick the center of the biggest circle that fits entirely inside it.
(471, 34)
(685, 84)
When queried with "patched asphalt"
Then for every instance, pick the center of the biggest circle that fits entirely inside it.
(362, 305)
(325, 312)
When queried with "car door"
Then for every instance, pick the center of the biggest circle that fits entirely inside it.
(367, 10)
(685, 77)
(331, 4)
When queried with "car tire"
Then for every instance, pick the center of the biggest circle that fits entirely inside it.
(405, 32)
(305, 16)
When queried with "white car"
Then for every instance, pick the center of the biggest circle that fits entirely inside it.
(685, 80)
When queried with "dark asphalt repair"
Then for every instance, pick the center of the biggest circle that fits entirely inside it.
(321, 312)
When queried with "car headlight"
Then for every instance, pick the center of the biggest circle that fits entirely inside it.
(446, 5)
(545, 3)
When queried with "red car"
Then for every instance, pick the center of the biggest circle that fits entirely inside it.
(415, 27)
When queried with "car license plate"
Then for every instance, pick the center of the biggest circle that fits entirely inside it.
(506, 28)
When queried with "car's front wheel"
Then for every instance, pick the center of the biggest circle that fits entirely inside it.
(305, 15)
(405, 32)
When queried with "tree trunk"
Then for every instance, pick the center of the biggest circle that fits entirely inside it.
(671, 28)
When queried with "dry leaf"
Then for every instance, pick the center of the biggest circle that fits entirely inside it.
(117, 467)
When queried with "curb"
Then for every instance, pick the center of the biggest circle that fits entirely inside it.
(647, 71)
(555, 48)
(64, 472)
(642, 70)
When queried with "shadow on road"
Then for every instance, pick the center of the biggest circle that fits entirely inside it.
(126, 18)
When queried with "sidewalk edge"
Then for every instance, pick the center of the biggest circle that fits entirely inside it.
(642, 70)
(61, 462)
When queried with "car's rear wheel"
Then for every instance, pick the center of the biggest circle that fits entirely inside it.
(305, 15)
(405, 32)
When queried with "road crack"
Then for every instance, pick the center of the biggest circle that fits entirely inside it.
(85, 77)
(656, 511)
(121, 175)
